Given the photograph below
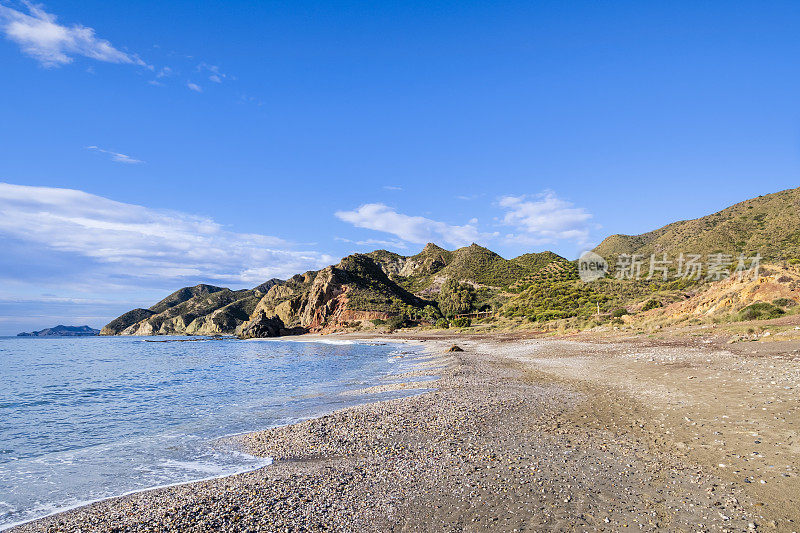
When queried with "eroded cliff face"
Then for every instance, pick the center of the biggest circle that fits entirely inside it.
(324, 298)
(319, 305)
(355, 290)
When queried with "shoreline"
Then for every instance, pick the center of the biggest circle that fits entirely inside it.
(507, 416)
(403, 384)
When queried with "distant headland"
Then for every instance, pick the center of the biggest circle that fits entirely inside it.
(62, 331)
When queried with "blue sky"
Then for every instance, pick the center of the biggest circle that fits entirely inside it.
(149, 145)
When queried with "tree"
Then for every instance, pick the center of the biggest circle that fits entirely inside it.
(431, 313)
(455, 297)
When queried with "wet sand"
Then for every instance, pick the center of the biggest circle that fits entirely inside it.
(520, 434)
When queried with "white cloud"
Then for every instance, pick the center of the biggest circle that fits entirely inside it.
(392, 188)
(132, 242)
(116, 156)
(544, 219)
(414, 229)
(468, 197)
(193, 86)
(213, 70)
(394, 243)
(39, 35)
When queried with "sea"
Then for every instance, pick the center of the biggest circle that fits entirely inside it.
(88, 418)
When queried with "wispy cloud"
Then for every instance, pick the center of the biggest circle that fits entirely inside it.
(468, 197)
(544, 219)
(214, 74)
(118, 241)
(116, 156)
(392, 188)
(374, 242)
(415, 229)
(194, 87)
(40, 36)
(247, 99)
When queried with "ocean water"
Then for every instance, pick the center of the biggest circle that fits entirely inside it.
(88, 418)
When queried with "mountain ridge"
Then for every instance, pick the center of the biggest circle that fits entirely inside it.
(377, 286)
(361, 287)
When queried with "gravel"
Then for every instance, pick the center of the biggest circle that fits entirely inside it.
(495, 447)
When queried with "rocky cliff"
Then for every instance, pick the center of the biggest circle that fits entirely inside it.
(360, 288)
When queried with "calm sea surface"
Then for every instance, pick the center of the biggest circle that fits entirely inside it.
(89, 418)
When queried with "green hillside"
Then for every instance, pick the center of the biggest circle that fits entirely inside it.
(768, 224)
(423, 273)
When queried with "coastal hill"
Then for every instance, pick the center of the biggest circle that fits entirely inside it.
(361, 287)
(62, 331)
(364, 289)
(768, 224)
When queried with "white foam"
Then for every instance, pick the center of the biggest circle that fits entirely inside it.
(52, 509)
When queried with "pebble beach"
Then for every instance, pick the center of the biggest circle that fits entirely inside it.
(515, 435)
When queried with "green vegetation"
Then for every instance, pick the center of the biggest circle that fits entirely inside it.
(560, 295)
(760, 311)
(431, 313)
(395, 323)
(651, 304)
(474, 264)
(784, 302)
(370, 287)
(556, 293)
(462, 322)
(768, 224)
(455, 297)
(442, 323)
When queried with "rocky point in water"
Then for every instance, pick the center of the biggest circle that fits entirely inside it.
(62, 331)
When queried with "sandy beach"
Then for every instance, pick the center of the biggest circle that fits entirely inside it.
(521, 434)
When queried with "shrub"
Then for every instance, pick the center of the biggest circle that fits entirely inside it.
(651, 304)
(617, 313)
(463, 322)
(553, 314)
(442, 323)
(784, 302)
(760, 311)
(395, 323)
(378, 321)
